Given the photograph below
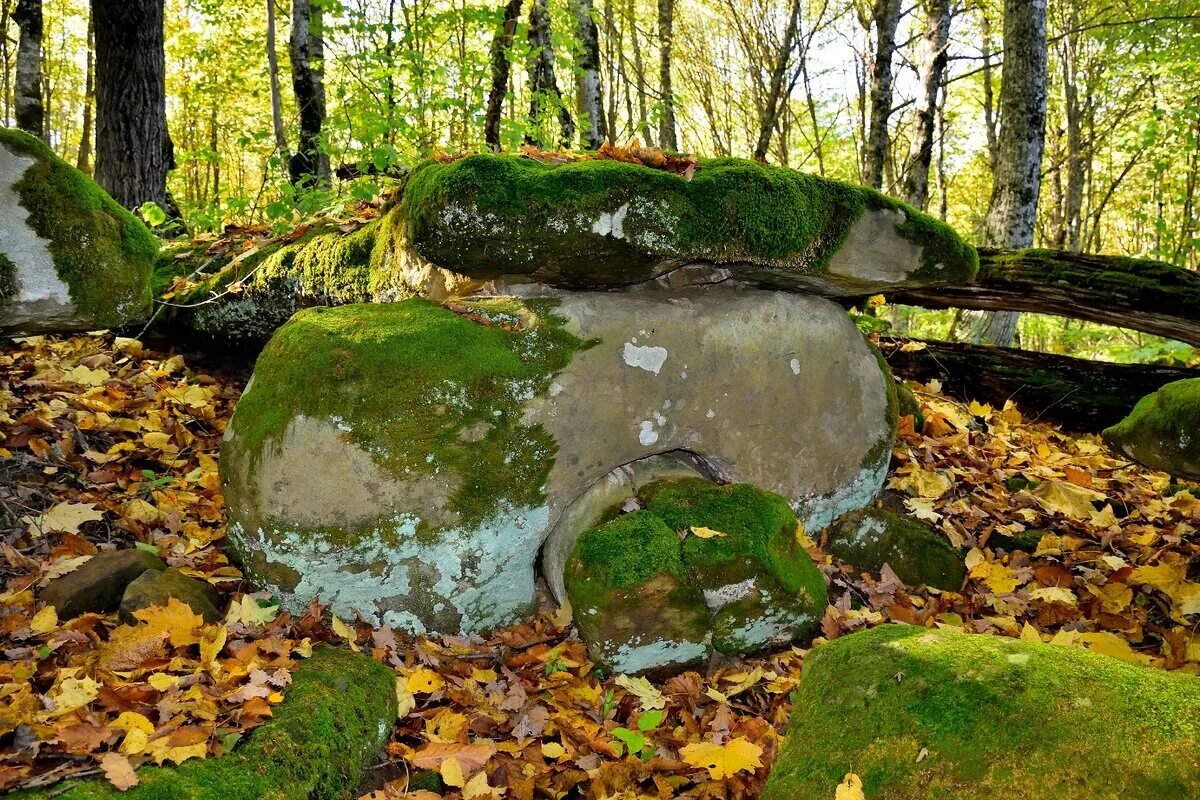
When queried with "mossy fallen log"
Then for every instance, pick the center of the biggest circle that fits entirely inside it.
(1085, 396)
(1137, 293)
(335, 717)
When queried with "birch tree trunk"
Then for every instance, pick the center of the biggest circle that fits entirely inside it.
(774, 100)
(667, 138)
(1012, 211)
(591, 93)
(933, 71)
(30, 110)
(309, 165)
(1073, 200)
(885, 18)
(281, 145)
(543, 84)
(501, 45)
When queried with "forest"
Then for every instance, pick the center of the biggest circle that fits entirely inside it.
(715, 399)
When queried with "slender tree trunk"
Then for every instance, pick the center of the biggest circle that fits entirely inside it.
(501, 45)
(639, 68)
(31, 112)
(667, 137)
(774, 100)
(83, 159)
(543, 84)
(309, 165)
(591, 93)
(134, 152)
(989, 102)
(1012, 212)
(933, 71)
(281, 145)
(885, 18)
(1073, 200)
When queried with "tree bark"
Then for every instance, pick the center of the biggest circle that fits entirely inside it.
(309, 165)
(134, 152)
(1073, 201)
(30, 110)
(591, 93)
(774, 100)
(542, 82)
(885, 18)
(281, 144)
(667, 137)
(1081, 395)
(501, 45)
(83, 159)
(933, 71)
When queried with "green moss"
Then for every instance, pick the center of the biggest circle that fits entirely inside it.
(8, 278)
(360, 363)
(1163, 430)
(994, 717)
(334, 719)
(104, 254)
(624, 553)
(871, 537)
(881, 450)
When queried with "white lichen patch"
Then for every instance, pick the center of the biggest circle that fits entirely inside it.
(647, 435)
(718, 598)
(645, 357)
(819, 511)
(633, 658)
(612, 224)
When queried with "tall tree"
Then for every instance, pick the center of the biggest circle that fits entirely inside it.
(591, 93)
(83, 158)
(281, 145)
(1012, 212)
(775, 91)
(667, 137)
(932, 76)
(543, 85)
(133, 149)
(30, 111)
(885, 18)
(501, 45)
(309, 165)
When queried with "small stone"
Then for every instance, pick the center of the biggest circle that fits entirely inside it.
(1163, 430)
(156, 588)
(869, 538)
(98, 584)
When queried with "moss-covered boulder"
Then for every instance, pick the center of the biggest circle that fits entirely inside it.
(1163, 430)
(698, 567)
(920, 714)
(408, 460)
(604, 224)
(70, 258)
(871, 537)
(336, 715)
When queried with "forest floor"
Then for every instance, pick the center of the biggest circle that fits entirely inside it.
(108, 443)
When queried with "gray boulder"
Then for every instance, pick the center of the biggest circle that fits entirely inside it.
(156, 588)
(97, 585)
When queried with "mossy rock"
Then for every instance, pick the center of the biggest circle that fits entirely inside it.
(98, 584)
(157, 587)
(1163, 430)
(650, 595)
(871, 537)
(921, 714)
(336, 715)
(71, 258)
(602, 224)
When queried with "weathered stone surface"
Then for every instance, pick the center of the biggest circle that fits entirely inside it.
(871, 537)
(604, 224)
(97, 585)
(70, 258)
(156, 588)
(408, 461)
(930, 714)
(650, 594)
(1163, 430)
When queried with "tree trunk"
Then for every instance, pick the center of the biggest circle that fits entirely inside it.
(133, 149)
(543, 84)
(83, 159)
(30, 111)
(1012, 212)
(989, 102)
(933, 71)
(591, 94)
(885, 18)
(770, 111)
(501, 45)
(639, 68)
(1081, 395)
(281, 145)
(309, 165)
(667, 137)
(1073, 201)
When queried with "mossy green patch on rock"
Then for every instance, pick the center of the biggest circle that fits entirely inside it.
(1163, 430)
(871, 537)
(8, 278)
(488, 216)
(994, 718)
(336, 715)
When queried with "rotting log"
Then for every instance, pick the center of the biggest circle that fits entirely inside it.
(1081, 395)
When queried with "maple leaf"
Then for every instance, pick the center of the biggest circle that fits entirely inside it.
(118, 771)
(71, 694)
(64, 517)
(129, 646)
(182, 625)
(648, 697)
(723, 760)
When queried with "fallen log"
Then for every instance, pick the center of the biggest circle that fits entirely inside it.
(1081, 395)
(1136, 293)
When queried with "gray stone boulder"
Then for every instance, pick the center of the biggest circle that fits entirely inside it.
(71, 259)
(408, 460)
(157, 587)
(1163, 430)
(98, 583)
(869, 538)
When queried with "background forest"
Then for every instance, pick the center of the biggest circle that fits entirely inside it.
(874, 91)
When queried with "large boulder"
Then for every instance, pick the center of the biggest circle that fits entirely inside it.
(696, 567)
(489, 217)
(408, 460)
(1163, 430)
(924, 714)
(869, 538)
(71, 259)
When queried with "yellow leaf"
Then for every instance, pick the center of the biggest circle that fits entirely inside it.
(212, 640)
(62, 518)
(72, 694)
(346, 632)
(137, 731)
(177, 619)
(649, 697)
(1068, 499)
(926, 484)
(85, 376)
(1114, 597)
(141, 511)
(478, 787)
(1111, 645)
(118, 770)
(708, 533)
(424, 681)
(553, 750)
(1169, 576)
(163, 682)
(851, 788)
(452, 773)
(44, 621)
(722, 760)
(1055, 594)
(405, 700)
